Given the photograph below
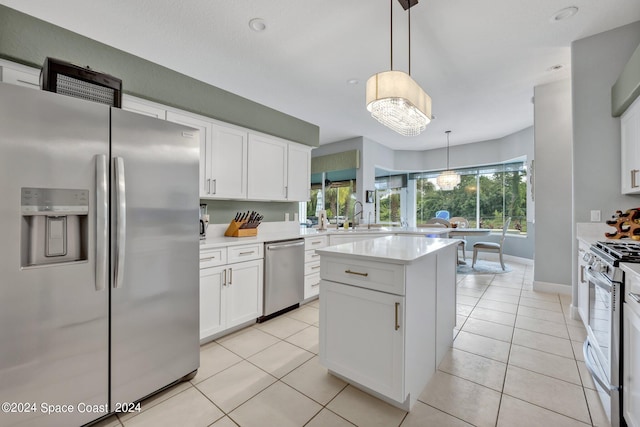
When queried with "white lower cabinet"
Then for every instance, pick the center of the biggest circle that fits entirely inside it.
(363, 337)
(583, 283)
(631, 356)
(385, 326)
(230, 294)
(312, 265)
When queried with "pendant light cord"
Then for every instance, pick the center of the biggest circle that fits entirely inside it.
(448, 132)
(391, 31)
(409, 40)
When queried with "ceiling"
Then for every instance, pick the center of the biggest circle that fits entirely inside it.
(479, 61)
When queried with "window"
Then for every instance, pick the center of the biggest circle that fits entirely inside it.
(486, 196)
(337, 199)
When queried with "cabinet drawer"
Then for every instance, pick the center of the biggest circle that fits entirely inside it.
(311, 285)
(365, 274)
(213, 257)
(245, 252)
(312, 267)
(315, 242)
(311, 255)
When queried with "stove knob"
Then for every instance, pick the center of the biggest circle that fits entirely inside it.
(588, 258)
(596, 266)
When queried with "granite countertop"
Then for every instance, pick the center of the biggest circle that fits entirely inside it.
(215, 237)
(392, 249)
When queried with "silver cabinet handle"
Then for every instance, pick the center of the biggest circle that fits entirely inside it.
(224, 277)
(397, 316)
(356, 273)
(286, 192)
(207, 259)
(121, 222)
(634, 184)
(215, 186)
(635, 297)
(246, 253)
(315, 256)
(316, 243)
(208, 186)
(230, 276)
(315, 267)
(582, 274)
(102, 216)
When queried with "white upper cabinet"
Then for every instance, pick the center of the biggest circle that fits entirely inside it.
(150, 109)
(630, 133)
(299, 173)
(228, 160)
(205, 128)
(20, 75)
(267, 168)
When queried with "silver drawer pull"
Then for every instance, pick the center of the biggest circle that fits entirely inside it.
(247, 253)
(635, 297)
(315, 255)
(207, 259)
(315, 243)
(357, 273)
(315, 267)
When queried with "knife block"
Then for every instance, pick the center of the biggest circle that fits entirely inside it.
(234, 230)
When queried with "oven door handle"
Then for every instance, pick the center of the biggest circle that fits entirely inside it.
(604, 284)
(590, 363)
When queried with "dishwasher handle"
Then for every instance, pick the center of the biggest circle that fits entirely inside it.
(277, 246)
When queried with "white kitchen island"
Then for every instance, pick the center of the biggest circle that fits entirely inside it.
(387, 313)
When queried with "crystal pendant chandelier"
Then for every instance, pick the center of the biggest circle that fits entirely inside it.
(395, 99)
(448, 180)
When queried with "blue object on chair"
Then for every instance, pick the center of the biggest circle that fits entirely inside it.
(442, 215)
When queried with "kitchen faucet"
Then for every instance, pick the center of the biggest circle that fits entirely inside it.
(354, 213)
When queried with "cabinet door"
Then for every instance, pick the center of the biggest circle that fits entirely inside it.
(243, 298)
(631, 380)
(583, 285)
(362, 336)
(144, 108)
(212, 282)
(267, 168)
(30, 78)
(299, 173)
(205, 147)
(630, 135)
(228, 163)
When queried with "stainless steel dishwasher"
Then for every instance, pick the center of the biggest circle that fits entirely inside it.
(283, 276)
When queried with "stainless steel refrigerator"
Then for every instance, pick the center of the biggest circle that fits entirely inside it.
(98, 257)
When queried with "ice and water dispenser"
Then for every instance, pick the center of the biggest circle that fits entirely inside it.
(54, 226)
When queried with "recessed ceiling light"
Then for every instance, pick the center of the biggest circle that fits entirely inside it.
(353, 81)
(565, 13)
(556, 67)
(257, 24)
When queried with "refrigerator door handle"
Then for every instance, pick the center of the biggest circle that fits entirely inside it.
(121, 221)
(102, 216)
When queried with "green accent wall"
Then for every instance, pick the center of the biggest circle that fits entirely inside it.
(29, 41)
(336, 162)
(627, 87)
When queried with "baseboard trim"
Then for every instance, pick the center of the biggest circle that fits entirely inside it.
(551, 288)
(575, 314)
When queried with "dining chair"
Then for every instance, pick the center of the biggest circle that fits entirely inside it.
(461, 222)
(491, 246)
(442, 214)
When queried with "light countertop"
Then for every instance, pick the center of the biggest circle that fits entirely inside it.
(268, 232)
(393, 249)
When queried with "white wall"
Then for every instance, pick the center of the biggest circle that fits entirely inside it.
(553, 183)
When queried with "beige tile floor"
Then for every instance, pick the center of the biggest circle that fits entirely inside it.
(516, 361)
